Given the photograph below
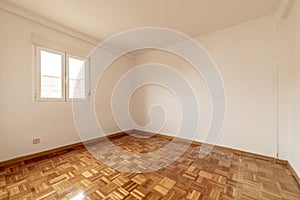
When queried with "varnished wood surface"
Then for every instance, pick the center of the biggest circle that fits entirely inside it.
(220, 175)
(294, 173)
(51, 152)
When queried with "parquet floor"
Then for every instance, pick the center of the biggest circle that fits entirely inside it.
(76, 175)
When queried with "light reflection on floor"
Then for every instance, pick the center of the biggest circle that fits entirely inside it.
(79, 196)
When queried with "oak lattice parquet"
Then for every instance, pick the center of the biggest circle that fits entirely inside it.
(220, 175)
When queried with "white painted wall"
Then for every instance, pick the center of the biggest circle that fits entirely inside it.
(293, 35)
(104, 94)
(149, 95)
(245, 54)
(22, 119)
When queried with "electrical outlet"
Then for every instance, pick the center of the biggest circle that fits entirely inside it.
(36, 140)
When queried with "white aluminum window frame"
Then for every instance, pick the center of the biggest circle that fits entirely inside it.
(65, 78)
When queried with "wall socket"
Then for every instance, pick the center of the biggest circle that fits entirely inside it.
(36, 140)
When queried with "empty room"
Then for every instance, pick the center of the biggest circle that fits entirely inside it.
(156, 100)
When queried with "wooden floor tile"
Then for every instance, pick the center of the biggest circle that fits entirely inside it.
(220, 175)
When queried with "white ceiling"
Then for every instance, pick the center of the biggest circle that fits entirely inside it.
(102, 18)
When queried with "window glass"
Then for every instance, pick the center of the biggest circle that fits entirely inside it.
(51, 75)
(77, 74)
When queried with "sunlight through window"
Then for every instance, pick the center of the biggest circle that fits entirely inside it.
(51, 75)
(76, 78)
(60, 76)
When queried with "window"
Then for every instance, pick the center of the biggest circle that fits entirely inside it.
(60, 76)
(51, 74)
(76, 75)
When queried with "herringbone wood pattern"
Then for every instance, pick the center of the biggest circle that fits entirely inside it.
(220, 175)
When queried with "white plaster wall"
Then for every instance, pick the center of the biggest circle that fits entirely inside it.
(293, 35)
(245, 55)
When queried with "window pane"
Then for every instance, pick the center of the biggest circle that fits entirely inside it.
(76, 78)
(51, 75)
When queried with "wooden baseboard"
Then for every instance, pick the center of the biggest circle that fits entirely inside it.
(47, 153)
(55, 151)
(294, 173)
(64, 149)
(255, 155)
(96, 140)
(238, 152)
